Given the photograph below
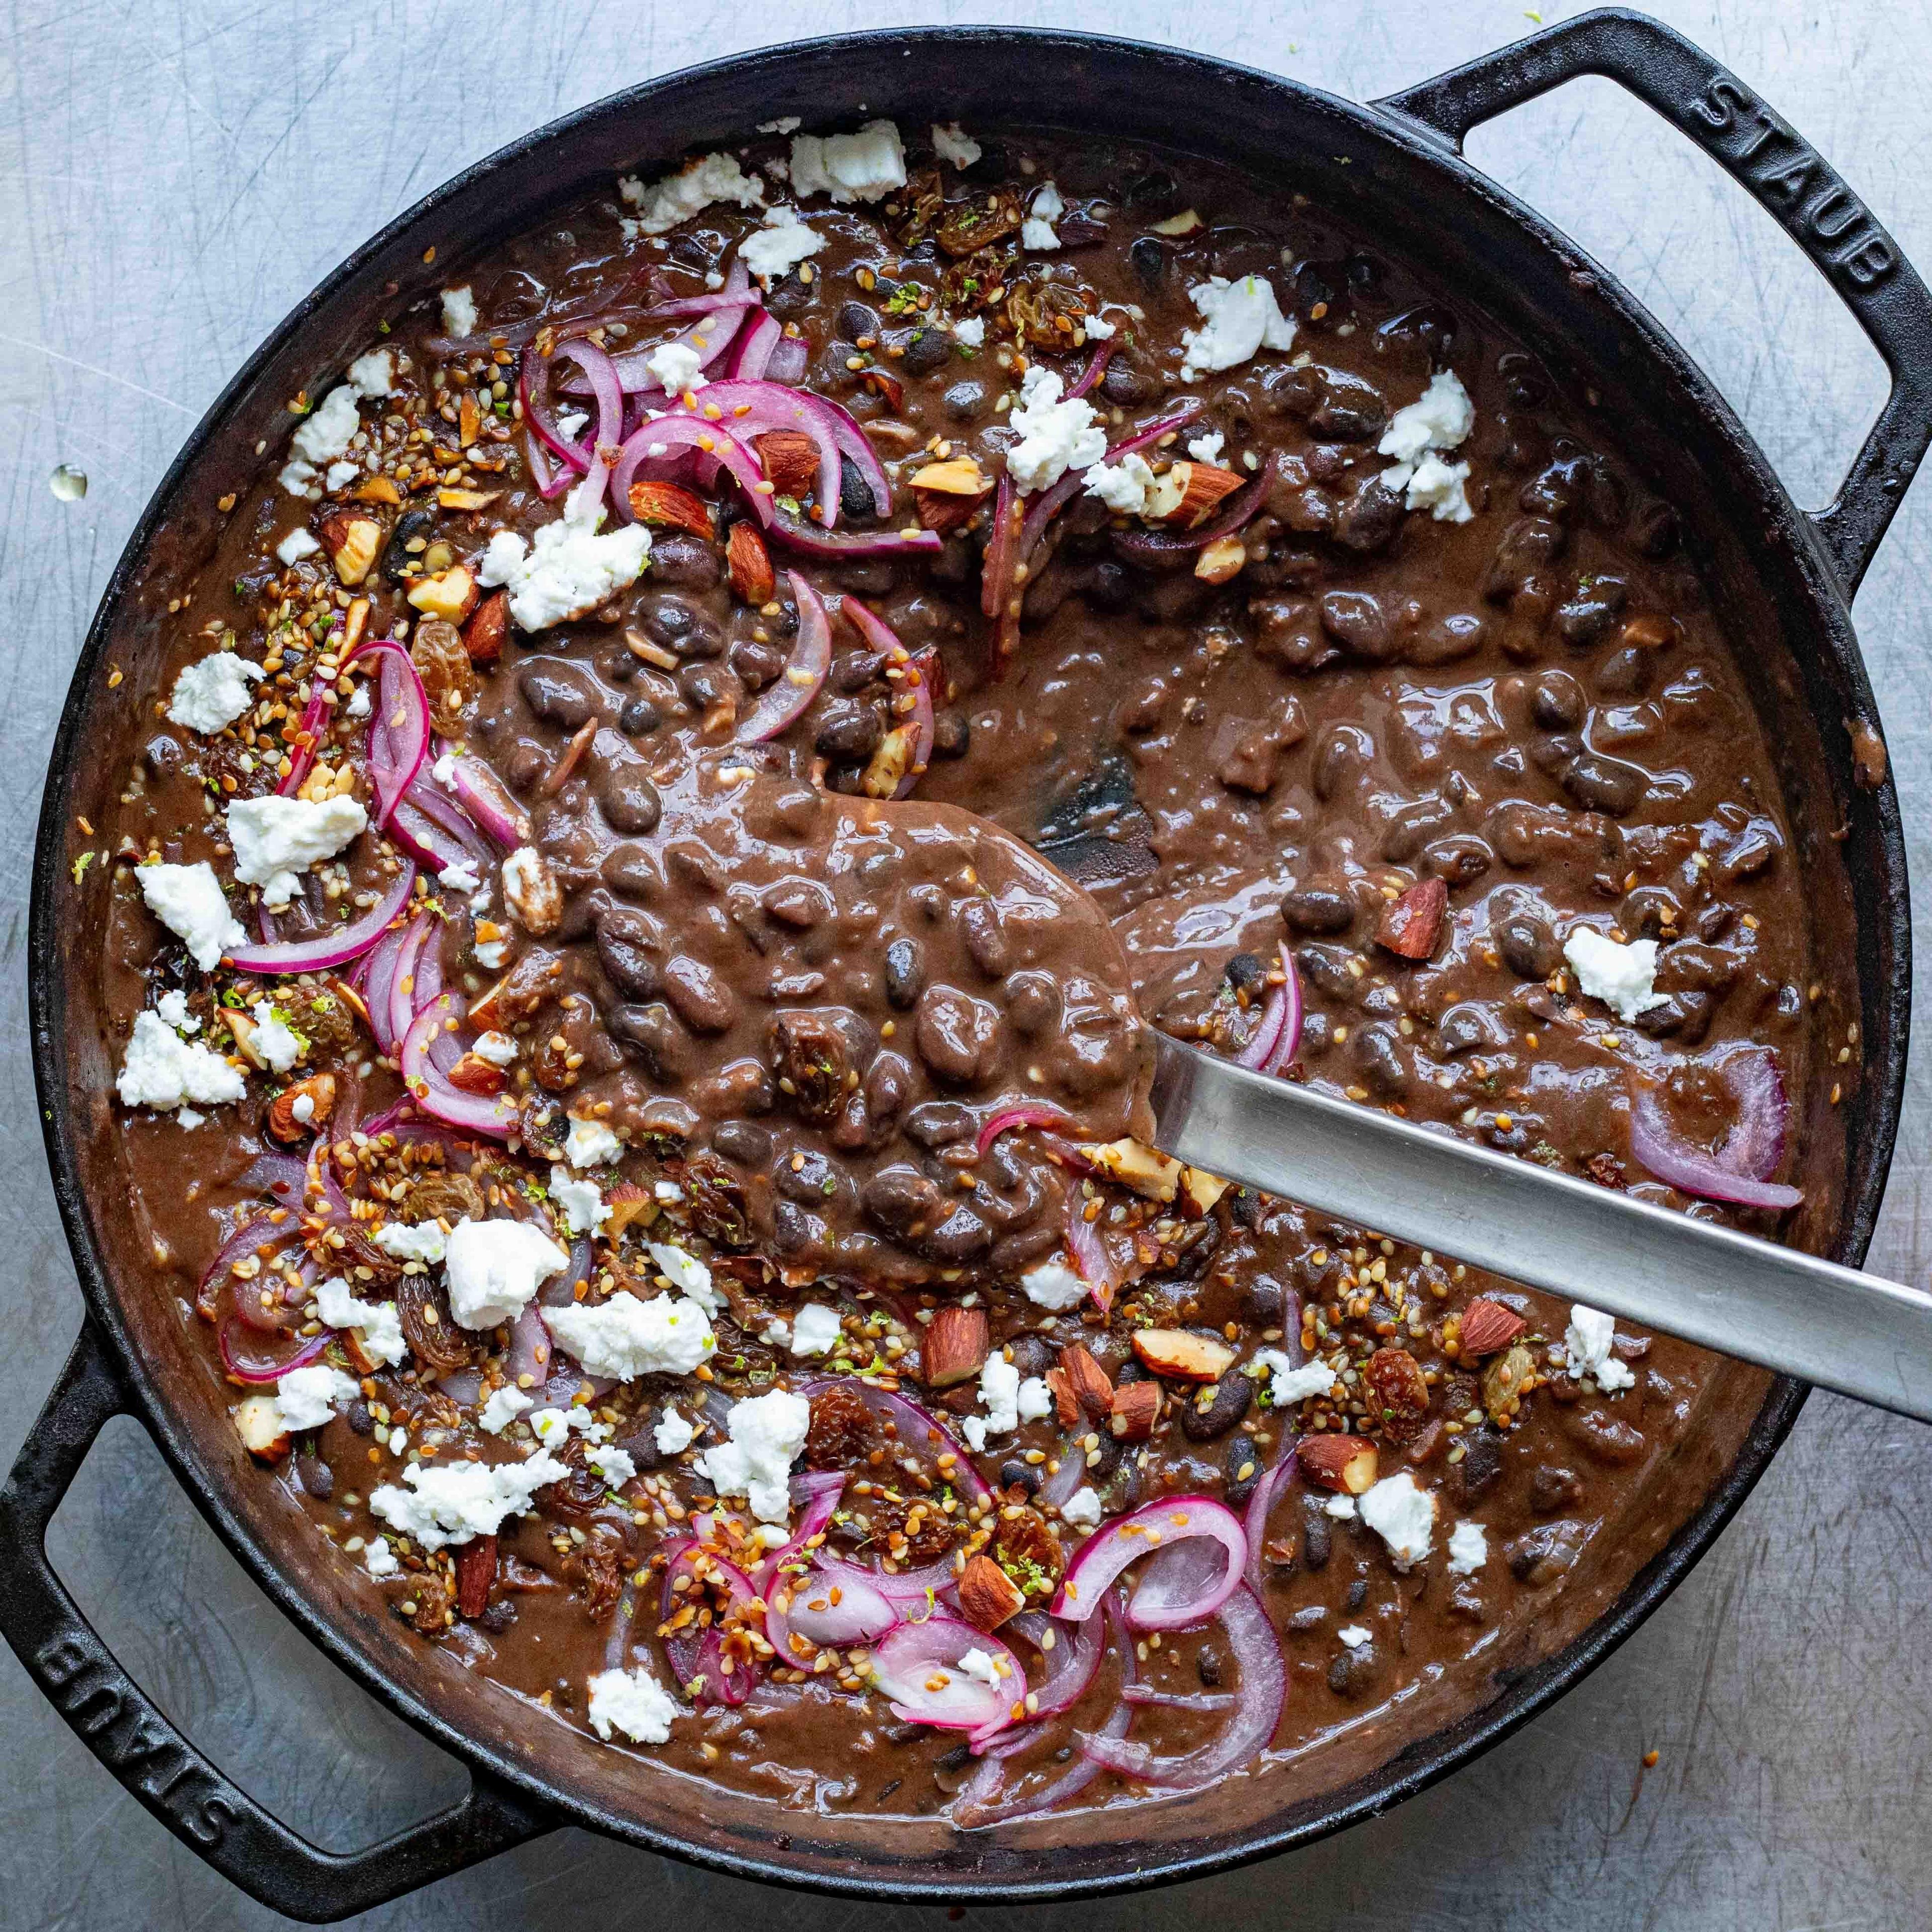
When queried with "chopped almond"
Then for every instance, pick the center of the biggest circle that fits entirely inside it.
(955, 1349)
(377, 489)
(258, 1419)
(1185, 223)
(943, 514)
(1066, 1403)
(288, 1119)
(475, 1571)
(630, 1206)
(791, 459)
(1410, 924)
(352, 542)
(1190, 493)
(676, 509)
(892, 763)
(1650, 631)
(483, 636)
(957, 476)
(1183, 1354)
(1145, 1169)
(450, 595)
(988, 1596)
(473, 1075)
(1200, 1190)
(1488, 1326)
(1136, 1411)
(750, 563)
(1345, 1463)
(466, 499)
(1088, 1380)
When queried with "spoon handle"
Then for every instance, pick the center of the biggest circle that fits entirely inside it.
(1788, 1311)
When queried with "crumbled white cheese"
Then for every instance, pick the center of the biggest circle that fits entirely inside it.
(625, 1337)
(459, 877)
(1036, 232)
(172, 1007)
(423, 1242)
(1035, 1399)
(767, 1432)
(980, 1667)
(1124, 487)
(785, 124)
(952, 143)
(451, 1502)
(1469, 1549)
(1207, 447)
(553, 1427)
(1342, 1508)
(676, 367)
(632, 1702)
(373, 375)
(1287, 1384)
(570, 424)
(999, 1391)
(496, 1267)
(1096, 329)
(504, 1405)
(459, 311)
(815, 1329)
(1402, 1516)
(1587, 1345)
(274, 1040)
(293, 548)
(162, 1069)
(187, 900)
(673, 1433)
(584, 1210)
(779, 244)
(1440, 419)
(1053, 1285)
(1355, 1636)
(590, 1143)
(322, 436)
(864, 166)
(1055, 435)
(213, 691)
(972, 331)
(570, 567)
(616, 1466)
(1237, 319)
(274, 838)
(380, 1326)
(1624, 977)
(308, 1397)
(498, 1049)
(378, 1559)
(664, 204)
(1082, 1509)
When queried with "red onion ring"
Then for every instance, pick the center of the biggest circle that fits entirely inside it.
(923, 669)
(258, 1375)
(1267, 1491)
(534, 393)
(1278, 1037)
(494, 1116)
(1069, 1666)
(329, 948)
(854, 442)
(281, 1174)
(530, 1350)
(819, 1491)
(1179, 1700)
(1167, 1603)
(675, 433)
(481, 794)
(917, 1667)
(1048, 501)
(1086, 1248)
(692, 1656)
(1258, 1708)
(789, 360)
(792, 533)
(1096, 367)
(751, 354)
(734, 290)
(308, 737)
(790, 694)
(1760, 1130)
(399, 732)
(752, 407)
(259, 1233)
(916, 1430)
(1157, 547)
(1027, 1114)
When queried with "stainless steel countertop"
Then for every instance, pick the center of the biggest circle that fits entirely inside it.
(175, 176)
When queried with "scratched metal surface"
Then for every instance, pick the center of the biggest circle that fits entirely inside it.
(172, 177)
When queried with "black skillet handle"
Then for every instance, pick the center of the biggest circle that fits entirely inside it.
(213, 1817)
(1784, 175)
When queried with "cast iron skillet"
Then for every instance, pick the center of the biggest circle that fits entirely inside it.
(1394, 170)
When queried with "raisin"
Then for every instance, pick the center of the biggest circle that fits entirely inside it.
(842, 1431)
(716, 1196)
(1025, 1547)
(1398, 1394)
(809, 1057)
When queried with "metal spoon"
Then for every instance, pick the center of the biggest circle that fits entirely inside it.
(1764, 1303)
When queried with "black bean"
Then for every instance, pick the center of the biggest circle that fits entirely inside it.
(1121, 383)
(926, 350)
(1377, 1053)
(678, 627)
(162, 755)
(398, 559)
(639, 719)
(1208, 1666)
(1150, 263)
(743, 1141)
(855, 495)
(1226, 1401)
(556, 694)
(1315, 908)
(964, 400)
(1468, 1026)
(686, 561)
(1480, 1467)
(905, 974)
(1326, 967)
(1350, 411)
(940, 1124)
(656, 1036)
(1356, 621)
(1016, 1475)
(1460, 859)
(1446, 639)
(1557, 702)
(1244, 1470)
(628, 800)
(1611, 785)
(1369, 519)
(986, 937)
(1317, 1539)
(1529, 546)
(848, 730)
(855, 320)
(952, 733)
(1527, 945)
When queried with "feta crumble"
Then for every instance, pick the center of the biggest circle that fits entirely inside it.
(162, 1070)
(172, 1007)
(1469, 1549)
(459, 311)
(1287, 1384)
(320, 440)
(212, 692)
(1356, 1636)
(1035, 1399)
(380, 1327)
(187, 900)
(632, 1702)
(569, 568)
(676, 367)
(495, 1269)
(864, 166)
(1047, 207)
(979, 1666)
(1587, 1347)
(1056, 435)
(624, 1337)
(590, 1144)
(815, 1329)
(1097, 328)
(952, 144)
(1237, 320)
(451, 1502)
(1441, 419)
(1342, 1508)
(1082, 1509)
(972, 332)
(504, 1406)
(767, 1432)
(785, 123)
(423, 1242)
(274, 838)
(498, 1049)
(1624, 977)
(686, 1273)
(459, 877)
(1402, 1516)
(378, 1559)
(1207, 447)
(307, 1398)
(582, 1202)
(778, 244)
(616, 1466)
(673, 1434)
(999, 1391)
(664, 204)
(273, 1039)
(1124, 487)
(296, 545)
(1053, 1285)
